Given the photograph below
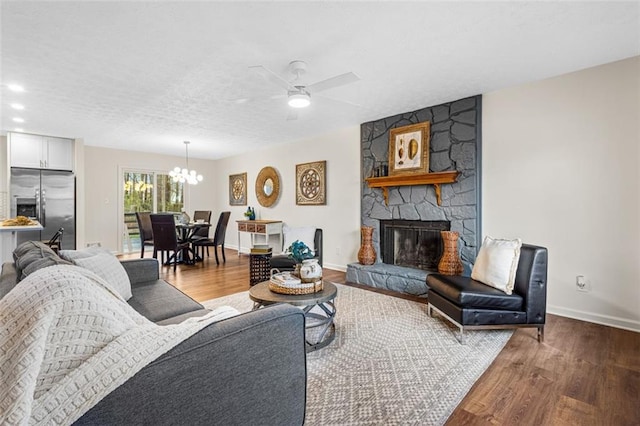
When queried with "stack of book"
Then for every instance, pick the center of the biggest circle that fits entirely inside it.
(260, 249)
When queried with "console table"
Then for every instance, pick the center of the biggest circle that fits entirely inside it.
(260, 227)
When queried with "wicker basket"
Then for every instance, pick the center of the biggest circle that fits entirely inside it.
(303, 288)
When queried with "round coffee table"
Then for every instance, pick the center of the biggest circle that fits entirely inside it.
(320, 330)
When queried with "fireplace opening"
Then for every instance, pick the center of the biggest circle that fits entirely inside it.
(412, 243)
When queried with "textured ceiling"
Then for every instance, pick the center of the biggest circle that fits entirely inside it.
(147, 75)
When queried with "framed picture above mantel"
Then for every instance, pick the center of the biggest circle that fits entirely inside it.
(409, 149)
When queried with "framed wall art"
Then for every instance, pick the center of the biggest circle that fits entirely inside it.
(409, 149)
(311, 184)
(238, 189)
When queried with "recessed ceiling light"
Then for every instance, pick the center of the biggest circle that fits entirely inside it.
(18, 119)
(19, 129)
(15, 87)
(17, 106)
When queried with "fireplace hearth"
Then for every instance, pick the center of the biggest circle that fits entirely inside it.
(412, 243)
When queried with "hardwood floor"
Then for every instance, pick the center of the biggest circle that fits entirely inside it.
(582, 374)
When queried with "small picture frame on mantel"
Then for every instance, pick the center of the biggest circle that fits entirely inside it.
(409, 149)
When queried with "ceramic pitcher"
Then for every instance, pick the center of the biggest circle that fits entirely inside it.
(310, 271)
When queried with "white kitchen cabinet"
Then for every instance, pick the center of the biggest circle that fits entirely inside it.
(41, 152)
(26, 150)
(59, 155)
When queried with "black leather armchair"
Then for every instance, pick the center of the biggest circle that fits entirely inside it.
(283, 262)
(469, 304)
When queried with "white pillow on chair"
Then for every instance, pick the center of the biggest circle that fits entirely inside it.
(305, 234)
(497, 263)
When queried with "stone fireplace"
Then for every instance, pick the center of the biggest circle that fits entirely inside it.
(455, 145)
(412, 243)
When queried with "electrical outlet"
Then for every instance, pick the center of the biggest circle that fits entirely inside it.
(338, 251)
(581, 283)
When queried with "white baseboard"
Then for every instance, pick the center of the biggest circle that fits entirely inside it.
(231, 246)
(611, 321)
(335, 267)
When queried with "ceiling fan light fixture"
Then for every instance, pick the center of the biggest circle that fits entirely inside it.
(299, 100)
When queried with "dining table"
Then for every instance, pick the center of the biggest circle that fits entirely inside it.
(186, 233)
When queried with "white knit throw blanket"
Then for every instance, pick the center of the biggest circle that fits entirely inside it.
(67, 339)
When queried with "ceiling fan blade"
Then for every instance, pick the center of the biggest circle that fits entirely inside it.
(330, 83)
(272, 77)
(241, 101)
(293, 115)
(341, 101)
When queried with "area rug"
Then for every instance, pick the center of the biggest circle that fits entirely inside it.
(390, 363)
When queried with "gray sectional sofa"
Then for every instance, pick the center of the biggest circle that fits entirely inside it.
(249, 369)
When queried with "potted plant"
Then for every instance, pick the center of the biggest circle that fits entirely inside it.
(307, 267)
(299, 251)
(250, 214)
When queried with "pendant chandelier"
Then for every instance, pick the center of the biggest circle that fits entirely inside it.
(185, 175)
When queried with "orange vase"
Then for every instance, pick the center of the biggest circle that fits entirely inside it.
(450, 263)
(367, 254)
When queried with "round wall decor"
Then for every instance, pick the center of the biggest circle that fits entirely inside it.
(267, 186)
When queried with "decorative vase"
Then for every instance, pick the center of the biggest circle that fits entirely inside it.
(310, 271)
(250, 214)
(367, 254)
(450, 263)
(184, 218)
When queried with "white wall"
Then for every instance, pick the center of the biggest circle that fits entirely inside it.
(4, 178)
(102, 168)
(560, 169)
(339, 218)
(81, 184)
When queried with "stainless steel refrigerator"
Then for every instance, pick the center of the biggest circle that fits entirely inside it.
(49, 197)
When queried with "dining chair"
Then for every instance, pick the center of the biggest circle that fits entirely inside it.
(55, 242)
(201, 233)
(146, 231)
(165, 239)
(217, 240)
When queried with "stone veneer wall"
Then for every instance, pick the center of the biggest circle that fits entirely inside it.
(455, 145)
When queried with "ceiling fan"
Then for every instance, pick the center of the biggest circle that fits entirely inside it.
(298, 93)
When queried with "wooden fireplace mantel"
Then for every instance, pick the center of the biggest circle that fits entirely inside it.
(434, 179)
